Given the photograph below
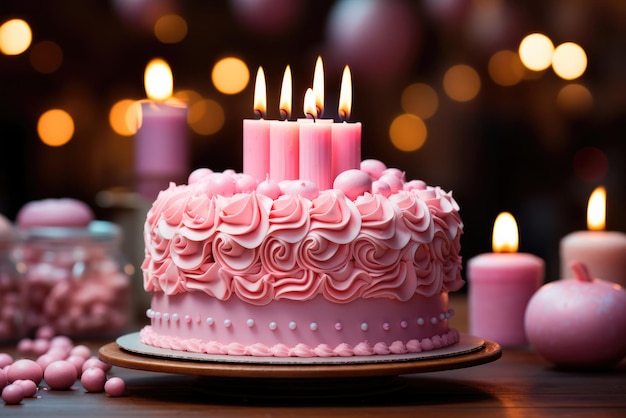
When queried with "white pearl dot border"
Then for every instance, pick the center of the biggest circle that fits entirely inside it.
(292, 325)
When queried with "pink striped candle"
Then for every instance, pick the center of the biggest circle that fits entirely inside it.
(346, 137)
(256, 135)
(284, 138)
(315, 147)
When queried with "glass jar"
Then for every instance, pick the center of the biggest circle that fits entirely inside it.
(11, 306)
(74, 280)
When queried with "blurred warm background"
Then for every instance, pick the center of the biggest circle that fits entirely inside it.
(455, 92)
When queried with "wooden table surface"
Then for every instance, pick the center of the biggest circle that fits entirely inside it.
(519, 384)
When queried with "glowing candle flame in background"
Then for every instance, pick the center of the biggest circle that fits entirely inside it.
(505, 234)
(596, 210)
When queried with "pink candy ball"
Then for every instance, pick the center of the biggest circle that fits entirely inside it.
(115, 386)
(393, 181)
(382, 188)
(198, 175)
(96, 362)
(3, 379)
(93, 379)
(269, 188)
(353, 183)
(12, 394)
(28, 387)
(219, 184)
(244, 183)
(5, 360)
(81, 351)
(374, 168)
(60, 375)
(25, 369)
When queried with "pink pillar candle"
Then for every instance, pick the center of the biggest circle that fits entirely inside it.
(499, 288)
(284, 150)
(603, 252)
(346, 147)
(315, 154)
(161, 147)
(256, 148)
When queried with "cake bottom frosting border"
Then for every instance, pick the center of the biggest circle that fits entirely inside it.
(466, 344)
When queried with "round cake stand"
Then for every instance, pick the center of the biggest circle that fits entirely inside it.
(267, 379)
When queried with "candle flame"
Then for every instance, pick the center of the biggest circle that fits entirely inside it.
(345, 95)
(318, 86)
(596, 210)
(309, 104)
(505, 234)
(260, 94)
(285, 95)
(158, 80)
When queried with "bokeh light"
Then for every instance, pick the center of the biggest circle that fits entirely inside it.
(590, 164)
(569, 61)
(230, 75)
(420, 99)
(170, 29)
(123, 117)
(55, 127)
(206, 117)
(15, 37)
(505, 68)
(46, 57)
(536, 51)
(461, 83)
(408, 132)
(575, 99)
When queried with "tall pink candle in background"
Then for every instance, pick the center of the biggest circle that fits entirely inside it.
(256, 134)
(161, 142)
(284, 138)
(346, 137)
(603, 252)
(500, 285)
(315, 147)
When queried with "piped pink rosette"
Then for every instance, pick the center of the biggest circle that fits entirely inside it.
(297, 246)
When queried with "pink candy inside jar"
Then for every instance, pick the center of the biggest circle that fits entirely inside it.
(11, 306)
(74, 279)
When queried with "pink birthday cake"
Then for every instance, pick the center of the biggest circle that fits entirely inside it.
(246, 268)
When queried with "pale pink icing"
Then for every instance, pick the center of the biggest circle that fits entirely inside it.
(368, 268)
(261, 249)
(149, 337)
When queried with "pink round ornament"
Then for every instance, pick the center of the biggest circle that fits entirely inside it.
(12, 394)
(353, 183)
(3, 379)
(382, 188)
(393, 181)
(81, 351)
(60, 375)
(198, 175)
(269, 188)
(244, 183)
(93, 379)
(219, 184)
(578, 323)
(373, 167)
(115, 386)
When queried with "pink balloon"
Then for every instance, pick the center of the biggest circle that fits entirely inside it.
(377, 38)
(267, 16)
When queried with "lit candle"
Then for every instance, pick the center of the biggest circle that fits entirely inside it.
(161, 149)
(500, 285)
(603, 252)
(284, 137)
(256, 134)
(346, 137)
(315, 146)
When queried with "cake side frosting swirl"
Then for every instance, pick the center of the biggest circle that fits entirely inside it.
(261, 249)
